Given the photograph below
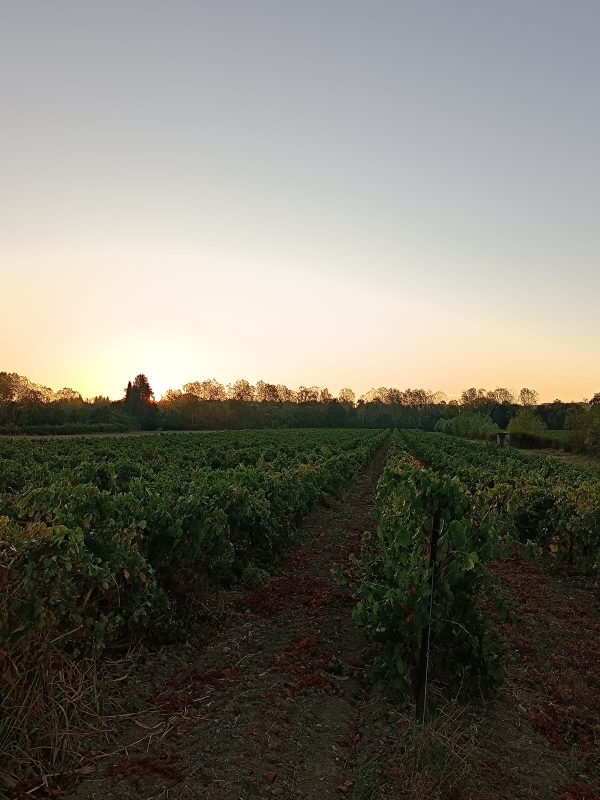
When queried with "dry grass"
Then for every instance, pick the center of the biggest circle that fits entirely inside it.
(49, 709)
(59, 714)
(434, 761)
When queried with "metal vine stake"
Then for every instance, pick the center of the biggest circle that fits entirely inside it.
(426, 633)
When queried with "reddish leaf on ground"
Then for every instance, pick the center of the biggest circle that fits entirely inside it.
(579, 791)
(165, 764)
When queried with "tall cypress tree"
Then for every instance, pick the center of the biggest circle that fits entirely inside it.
(139, 402)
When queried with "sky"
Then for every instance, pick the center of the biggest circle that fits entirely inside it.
(309, 192)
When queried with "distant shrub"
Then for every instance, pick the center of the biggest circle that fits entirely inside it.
(470, 424)
(527, 422)
(583, 431)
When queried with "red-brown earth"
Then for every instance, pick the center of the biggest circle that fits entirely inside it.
(275, 702)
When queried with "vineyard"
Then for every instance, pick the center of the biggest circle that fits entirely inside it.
(100, 539)
(554, 504)
(424, 574)
(103, 541)
(443, 579)
(95, 536)
(441, 521)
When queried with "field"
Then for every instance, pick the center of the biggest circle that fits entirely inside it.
(205, 616)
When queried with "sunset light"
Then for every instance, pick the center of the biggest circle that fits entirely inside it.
(306, 196)
(299, 399)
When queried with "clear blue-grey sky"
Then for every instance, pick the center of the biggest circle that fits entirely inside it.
(333, 193)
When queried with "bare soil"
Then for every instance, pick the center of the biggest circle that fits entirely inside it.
(276, 703)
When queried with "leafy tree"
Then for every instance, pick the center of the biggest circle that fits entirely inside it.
(347, 396)
(306, 395)
(206, 390)
(266, 393)
(472, 397)
(502, 396)
(416, 398)
(7, 386)
(67, 396)
(241, 391)
(528, 397)
(286, 395)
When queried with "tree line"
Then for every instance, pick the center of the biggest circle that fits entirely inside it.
(204, 405)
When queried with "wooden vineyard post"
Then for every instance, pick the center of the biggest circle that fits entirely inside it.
(426, 633)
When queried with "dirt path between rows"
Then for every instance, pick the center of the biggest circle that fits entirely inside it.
(552, 682)
(276, 703)
(271, 706)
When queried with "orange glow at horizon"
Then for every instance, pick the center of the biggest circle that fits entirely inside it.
(301, 196)
(267, 327)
